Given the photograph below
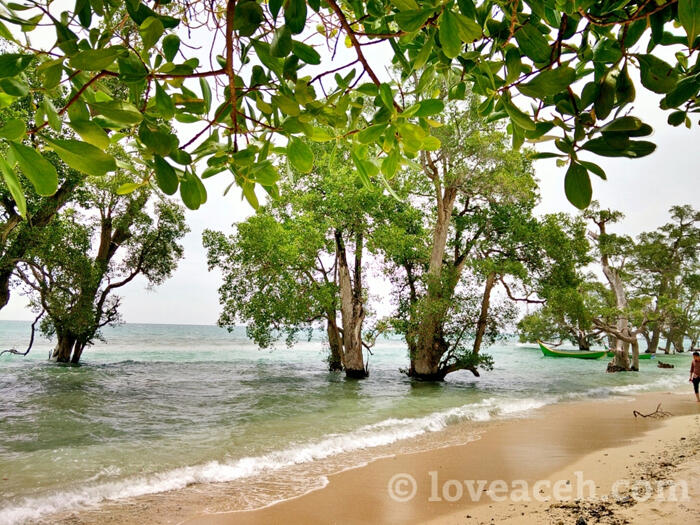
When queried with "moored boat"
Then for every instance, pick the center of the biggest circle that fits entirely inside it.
(579, 354)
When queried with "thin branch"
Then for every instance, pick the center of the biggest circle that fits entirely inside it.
(31, 339)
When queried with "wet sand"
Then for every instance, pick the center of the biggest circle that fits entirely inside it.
(552, 444)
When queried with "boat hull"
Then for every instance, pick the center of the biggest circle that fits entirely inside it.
(577, 354)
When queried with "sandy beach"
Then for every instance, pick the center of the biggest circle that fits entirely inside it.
(510, 474)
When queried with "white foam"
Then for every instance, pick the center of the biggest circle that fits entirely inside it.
(377, 434)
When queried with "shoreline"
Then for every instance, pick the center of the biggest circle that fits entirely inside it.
(535, 446)
(531, 449)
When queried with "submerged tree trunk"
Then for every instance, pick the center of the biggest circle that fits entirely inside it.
(582, 340)
(484, 314)
(335, 359)
(351, 307)
(621, 360)
(64, 348)
(77, 352)
(635, 354)
(653, 345)
(430, 344)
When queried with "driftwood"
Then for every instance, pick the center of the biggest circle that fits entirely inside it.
(665, 365)
(656, 414)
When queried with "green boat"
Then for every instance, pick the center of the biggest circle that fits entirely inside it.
(580, 354)
(610, 353)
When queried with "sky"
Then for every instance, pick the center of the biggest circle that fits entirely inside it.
(644, 189)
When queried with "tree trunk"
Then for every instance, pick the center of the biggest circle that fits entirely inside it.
(667, 347)
(430, 344)
(77, 352)
(582, 340)
(484, 314)
(335, 359)
(635, 355)
(678, 344)
(621, 360)
(351, 309)
(64, 348)
(654, 341)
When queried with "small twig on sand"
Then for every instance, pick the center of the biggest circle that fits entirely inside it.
(656, 414)
(31, 340)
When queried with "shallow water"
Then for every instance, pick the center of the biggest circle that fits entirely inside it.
(163, 406)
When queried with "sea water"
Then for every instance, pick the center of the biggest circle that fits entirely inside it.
(160, 407)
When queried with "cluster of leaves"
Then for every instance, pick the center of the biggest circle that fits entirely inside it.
(556, 70)
(658, 274)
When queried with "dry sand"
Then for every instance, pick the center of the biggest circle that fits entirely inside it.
(601, 440)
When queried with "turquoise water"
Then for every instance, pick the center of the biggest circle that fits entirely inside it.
(162, 406)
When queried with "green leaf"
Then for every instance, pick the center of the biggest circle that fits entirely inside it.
(83, 156)
(606, 98)
(656, 75)
(684, 91)
(281, 44)
(632, 149)
(52, 115)
(624, 88)
(412, 20)
(14, 87)
(13, 129)
(95, 59)
(306, 53)
(533, 43)
(12, 64)
(206, 94)
(577, 186)
(164, 104)
(449, 35)
(387, 95)
(626, 123)
(275, 6)
(171, 45)
(300, 155)
(594, 168)
(513, 64)
(295, 15)
(390, 164)
(91, 132)
(549, 82)
(607, 51)
(165, 175)
(119, 112)
(249, 193)
(371, 134)
(365, 169)
(428, 107)
(40, 172)
(132, 70)
(156, 140)
(128, 187)
(151, 30)
(467, 29)
(519, 118)
(190, 192)
(689, 17)
(545, 155)
(14, 186)
(248, 17)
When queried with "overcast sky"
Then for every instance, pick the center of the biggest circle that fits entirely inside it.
(643, 189)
